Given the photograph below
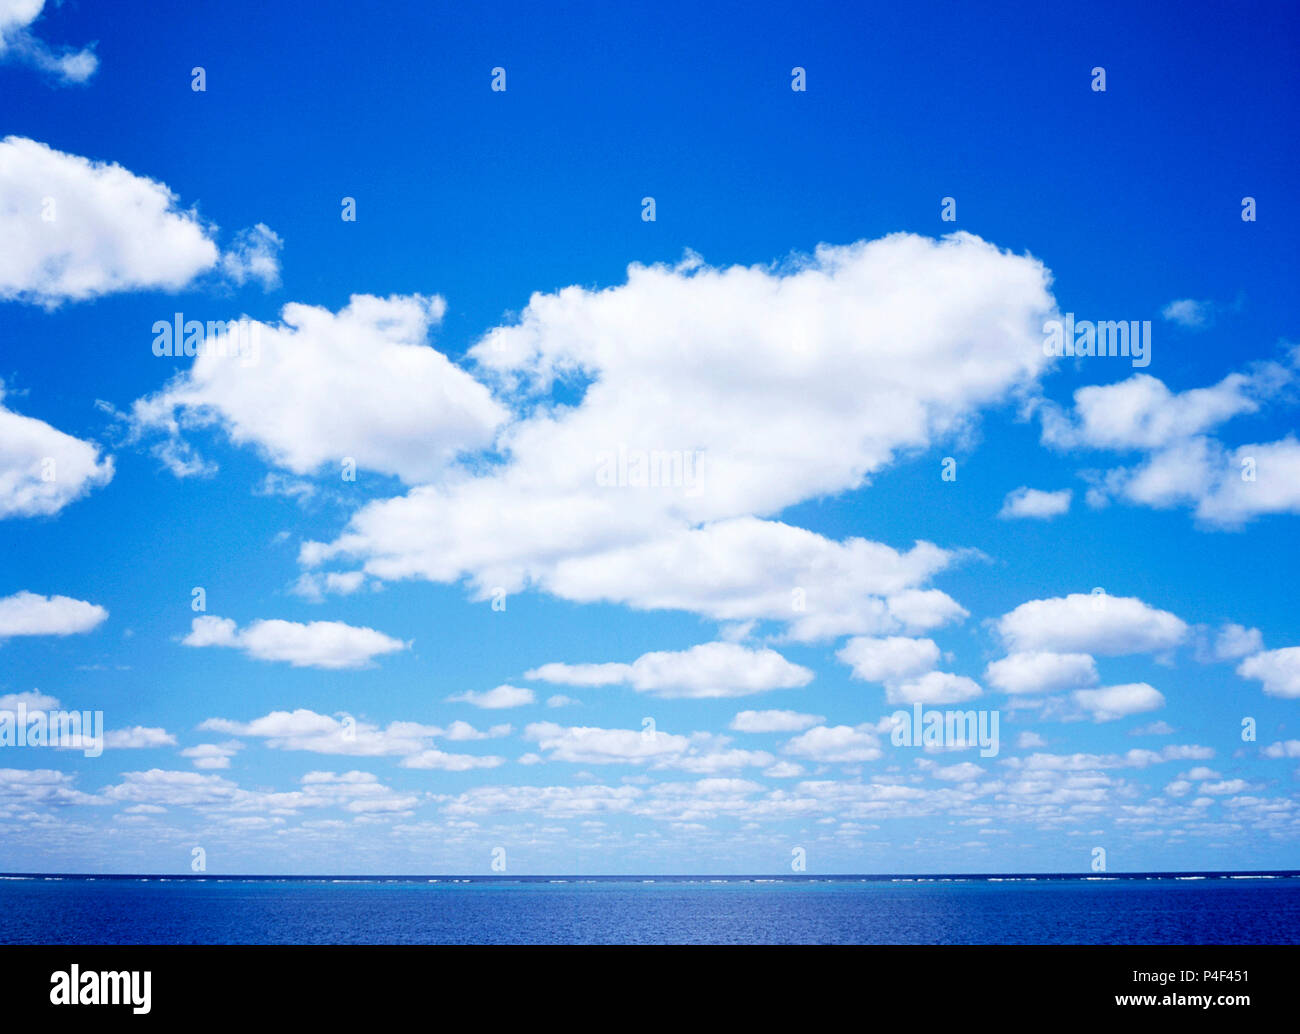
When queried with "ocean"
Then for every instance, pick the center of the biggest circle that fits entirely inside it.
(1212, 908)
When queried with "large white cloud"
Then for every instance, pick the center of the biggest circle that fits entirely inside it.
(317, 644)
(26, 613)
(323, 387)
(75, 228)
(1094, 623)
(748, 390)
(42, 469)
(704, 671)
(19, 43)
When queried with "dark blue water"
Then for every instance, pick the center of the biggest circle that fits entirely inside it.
(633, 910)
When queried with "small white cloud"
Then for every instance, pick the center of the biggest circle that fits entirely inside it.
(254, 255)
(1278, 670)
(42, 469)
(774, 721)
(1189, 313)
(1112, 702)
(1237, 641)
(1033, 502)
(495, 699)
(137, 737)
(889, 659)
(209, 756)
(26, 613)
(709, 670)
(1042, 672)
(936, 687)
(318, 644)
(20, 45)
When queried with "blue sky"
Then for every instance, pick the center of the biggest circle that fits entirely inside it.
(802, 330)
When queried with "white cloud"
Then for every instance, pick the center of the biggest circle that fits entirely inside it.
(774, 721)
(254, 255)
(18, 43)
(318, 644)
(360, 384)
(590, 745)
(1030, 741)
(837, 744)
(1236, 641)
(444, 762)
(868, 344)
(212, 755)
(704, 671)
(1112, 702)
(1189, 313)
(890, 659)
(33, 701)
(322, 734)
(1094, 623)
(42, 469)
(935, 687)
(495, 699)
(108, 230)
(1278, 670)
(1142, 413)
(1042, 672)
(1183, 465)
(138, 737)
(1033, 502)
(26, 613)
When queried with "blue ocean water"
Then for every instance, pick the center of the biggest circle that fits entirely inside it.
(1128, 909)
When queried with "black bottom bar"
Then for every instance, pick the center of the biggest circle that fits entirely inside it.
(531, 983)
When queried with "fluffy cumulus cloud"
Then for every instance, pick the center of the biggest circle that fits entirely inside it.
(1035, 503)
(707, 670)
(889, 659)
(1041, 672)
(1184, 464)
(649, 490)
(934, 687)
(42, 469)
(1278, 670)
(75, 228)
(1094, 623)
(26, 613)
(307, 730)
(596, 746)
(844, 744)
(321, 388)
(19, 43)
(317, 644)
(1112, 702)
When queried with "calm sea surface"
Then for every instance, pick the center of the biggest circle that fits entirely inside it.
(1153, 909)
